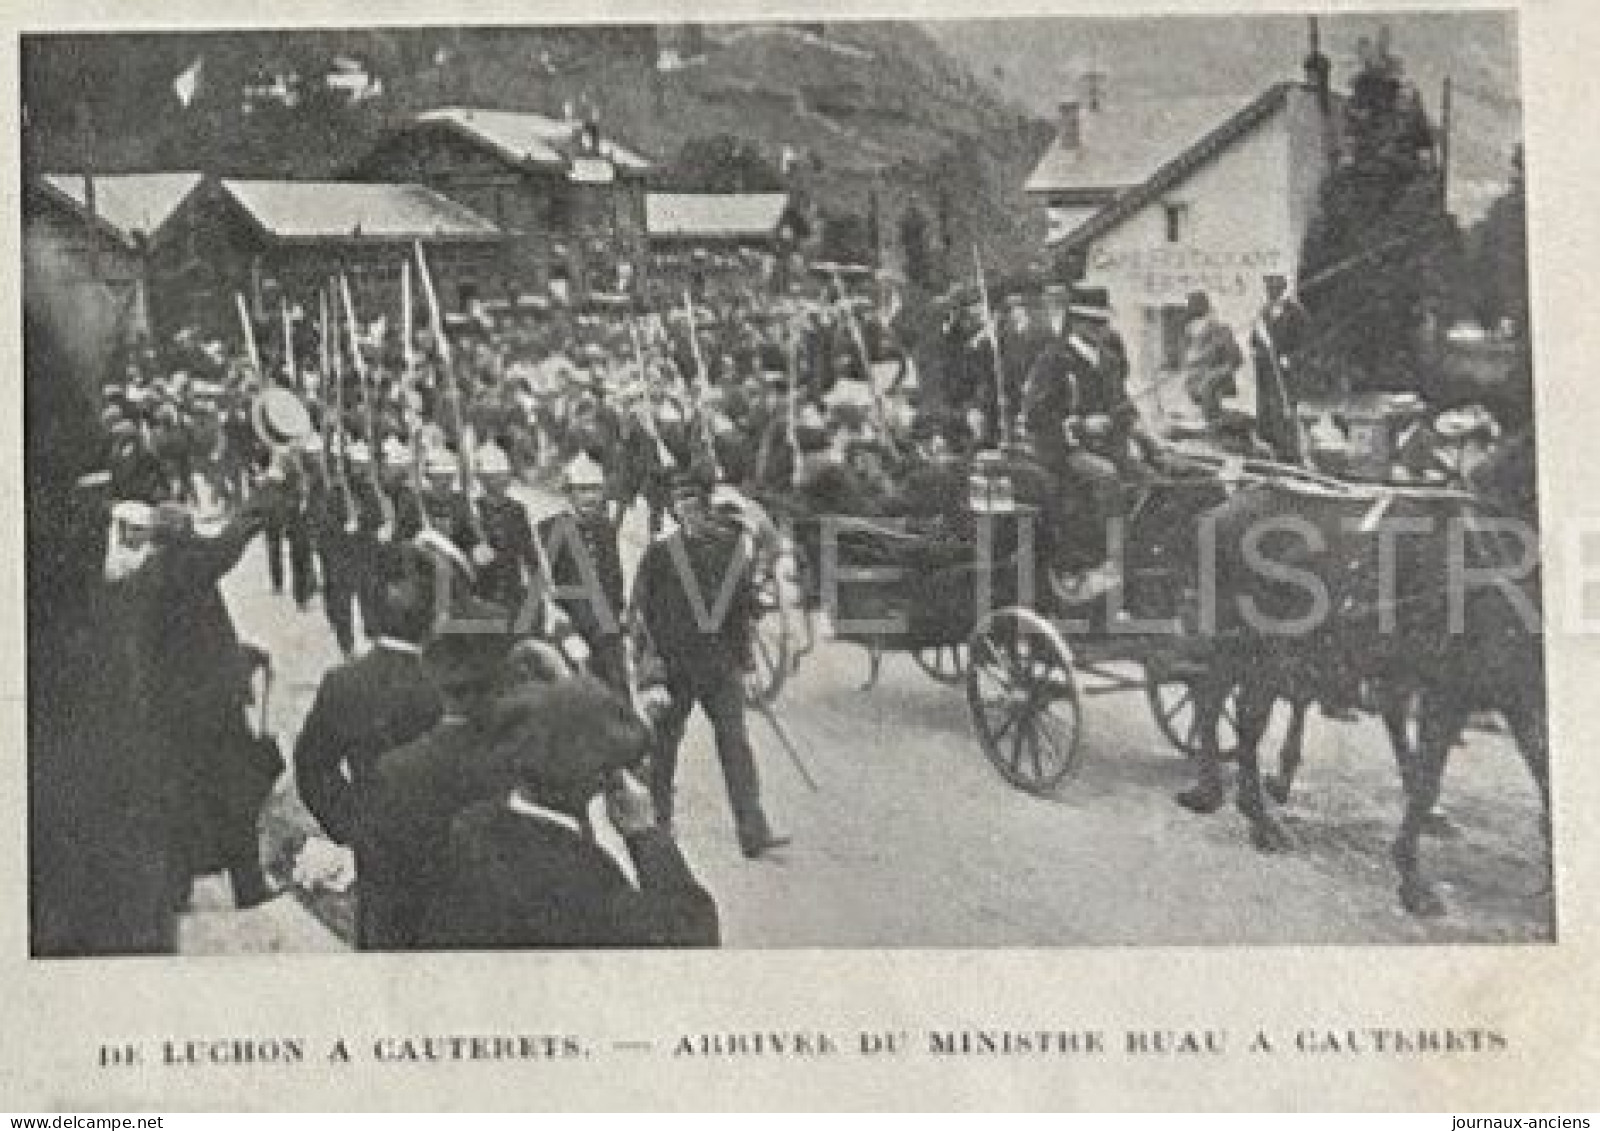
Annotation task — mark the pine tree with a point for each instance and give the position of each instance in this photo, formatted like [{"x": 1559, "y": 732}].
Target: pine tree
[
  {"x": 1500, "y": 254},
  {"x": 1376, "y": 259}
]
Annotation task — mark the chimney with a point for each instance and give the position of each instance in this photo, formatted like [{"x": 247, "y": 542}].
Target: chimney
[
  {"x": 1317, "y": 67},
  {"x": 1070, "y": 128}
]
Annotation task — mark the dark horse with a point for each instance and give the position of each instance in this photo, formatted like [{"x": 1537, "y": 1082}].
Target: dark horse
[{"x": 1425, "y": 597}]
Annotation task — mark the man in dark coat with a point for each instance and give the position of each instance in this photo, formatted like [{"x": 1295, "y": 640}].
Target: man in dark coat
[
  {"x": 509, "y": 561},
  {"x": 526, "y": 871},
  {"x": 136, "y": 473},
  {"x": 412, "y": 793},
  {"x": 196, "y": 681},
  {"x": 332, "y": 521},
  {"x": 368, "y": 707},
  {"x": 445, "y": 502},
  {"x": 1068, "y": 405},
  {"x": 580, "y": 545},
  {"x": 96, "y": 835},
  {"x": 935, "y": 493},
  {"x": 1275, "y": 343},
  {"x": 376, "y": 530},
  {"x": 703, "y": 647},
  {"x": 287, "y": 523}
]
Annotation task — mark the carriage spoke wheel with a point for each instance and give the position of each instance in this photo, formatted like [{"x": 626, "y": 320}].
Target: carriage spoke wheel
[
  {"x": 945, "y": 663},
  {"x": 1024, "y": 699},
  {"x": 771, "y": 641},
  {"x": 1172, "y": 699}
]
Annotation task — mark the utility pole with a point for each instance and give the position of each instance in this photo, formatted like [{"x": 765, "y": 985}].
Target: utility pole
[{"x": 1444, "y": 144}]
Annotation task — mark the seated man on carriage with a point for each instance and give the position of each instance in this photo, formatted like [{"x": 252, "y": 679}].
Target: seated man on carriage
[
  {"x": 933, "y": 493},
  {"x": 1078, "y": 423}
]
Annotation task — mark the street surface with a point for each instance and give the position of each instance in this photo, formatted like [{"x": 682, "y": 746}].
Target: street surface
[{"x": 914, "y": 840}]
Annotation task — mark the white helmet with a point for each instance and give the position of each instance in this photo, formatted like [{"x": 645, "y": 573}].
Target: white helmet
[
  {"x": 442, "y": 461},
  {"x": 396, "y": 452},
  {"x": 583, "y": 472},
  {"x": 491, "y": 459}
]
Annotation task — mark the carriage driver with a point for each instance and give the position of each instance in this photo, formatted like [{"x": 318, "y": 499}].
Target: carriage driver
[{"x": 1075, "y": 414}]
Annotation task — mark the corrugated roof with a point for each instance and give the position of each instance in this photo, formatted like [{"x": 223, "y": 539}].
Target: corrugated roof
[
  {"x": 520, "y": 136},
  {"x": 725, "y": 215},
  {"x": 345, "y": 210},
  {"x": 128, "y": 202},
  {"x": 1124, "y": 143}
]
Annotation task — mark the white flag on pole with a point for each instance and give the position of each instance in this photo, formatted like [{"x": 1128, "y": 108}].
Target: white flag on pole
[{"x": 186, "y": 85}]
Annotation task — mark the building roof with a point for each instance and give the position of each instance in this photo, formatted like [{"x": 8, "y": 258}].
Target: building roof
[
  {"x": 320, "y": 210},
  {"x": 520, "y": 136},
  {"x": 1123, "y": 143},
  {"x": 1179, "y": 164},
  {"x": 714, "y": 215},
  {"x": 128, "y": 203}
]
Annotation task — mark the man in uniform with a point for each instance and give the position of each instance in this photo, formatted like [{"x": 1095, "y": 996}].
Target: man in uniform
[
  {"x": 368, "y": 707},
  {"x": 286, "y": 522},
  {"x": 703, "y": 644},
  {"x": 332, "y": 525},
  {"x": 373, "y": 540},
  {"x": 445, "y": 502},
  {"x": 580, "y": 545},
  {"x": 1067, "y": 412},
  {"x": 510, "y": 560}
]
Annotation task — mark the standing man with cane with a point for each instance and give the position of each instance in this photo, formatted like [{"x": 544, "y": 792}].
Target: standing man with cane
[{"x": 1275, "y": 341}]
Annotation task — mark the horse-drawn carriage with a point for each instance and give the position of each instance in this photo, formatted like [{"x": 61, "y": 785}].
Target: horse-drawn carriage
[
  {"x": 983, "y": 610},
  {"x": 976, "y": 607}
]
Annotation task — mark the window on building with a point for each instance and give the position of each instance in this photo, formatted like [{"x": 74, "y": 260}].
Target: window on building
[
  {"x": 1165, "y": 326},
  {"x": 1179, "y": 221}
]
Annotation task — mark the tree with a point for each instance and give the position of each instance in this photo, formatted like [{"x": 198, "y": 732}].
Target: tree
[
  {"x": 845, "y": 239},
  {"x": 914, "y": 245},
  {"x": 1375, "y": 263},
  {"x": 723, "y": 163},
  {"x": 1499, "y": 251}
]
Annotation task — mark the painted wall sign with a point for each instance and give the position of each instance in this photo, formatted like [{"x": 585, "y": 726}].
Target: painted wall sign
[{"x": 1168, "y": 273}]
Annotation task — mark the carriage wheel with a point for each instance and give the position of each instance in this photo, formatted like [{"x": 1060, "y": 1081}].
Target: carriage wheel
[
  {"x": 770, "y": 641},
  {"x": 1024, "y": 699},
  {"x": 944, "y": 663},
  {"x": 1172, "y": 703}
]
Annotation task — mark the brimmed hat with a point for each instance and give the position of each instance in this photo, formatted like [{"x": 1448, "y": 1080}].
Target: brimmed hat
[
  {"x": 473, "y": 652},
  {"x": 566, "y": 735},
  {"x": 279, "y": 417}
]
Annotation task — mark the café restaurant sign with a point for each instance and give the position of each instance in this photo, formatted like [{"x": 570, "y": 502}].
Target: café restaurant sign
[{"x": 1167, "y": 273}]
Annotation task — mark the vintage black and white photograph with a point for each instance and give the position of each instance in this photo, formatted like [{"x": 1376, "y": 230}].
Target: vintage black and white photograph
[{"x": 966, "y": 483}]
